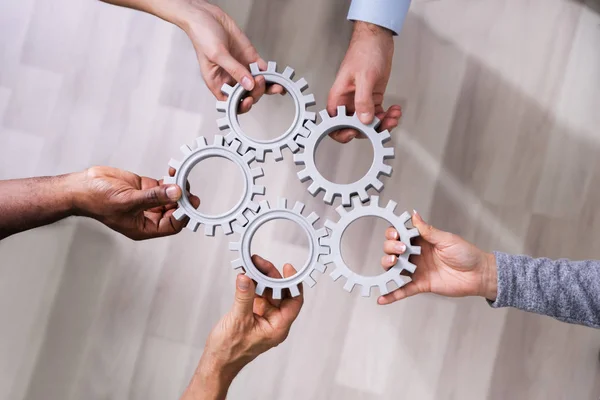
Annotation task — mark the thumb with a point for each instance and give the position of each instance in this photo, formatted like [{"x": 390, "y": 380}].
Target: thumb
[
  {"x": 237, "y": 71},
  {"x": 154, "y": 197},
  {"x": 428, "y": 232},
  {"x": 363, "y": 101},
  {"x": 244, "y": 296}
]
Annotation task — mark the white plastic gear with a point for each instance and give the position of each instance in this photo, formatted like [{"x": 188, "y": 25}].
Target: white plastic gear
[
  {"x": 287, "y": 139},
  {"x": 236, "y": 213},
  {"x": 367, "y": 282},
  {"x": 345, "y": 191},
  {"x": 304, "y": 274}
]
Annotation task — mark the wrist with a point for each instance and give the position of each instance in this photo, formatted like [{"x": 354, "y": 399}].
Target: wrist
[
  {"x": 211, "y": 379},
  {"x": 70, "y": 187},
  {"x": 489, "y": 280},
  {"x": 367, "y": 29}
]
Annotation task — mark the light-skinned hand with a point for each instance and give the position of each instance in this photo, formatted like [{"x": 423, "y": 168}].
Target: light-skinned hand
[
  {"x": 448, "y": 265},
  {"x": 362, "y": 79}
]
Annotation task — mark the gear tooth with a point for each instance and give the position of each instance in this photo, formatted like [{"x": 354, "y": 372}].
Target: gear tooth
[
  {"x": 346, "y": 199},
  {"x": 388, "y": 152},
  {"x": 363, "y": 195},
  {"x": 298, "y": 207},
  {"x": 336, "y": 274},
  {"x": 230, "y": 137},
  {"x": 260, "y": 155},
  {"x": 272, "y": 66},
  {"x": 312, "y": 218},
  {"x": 405, "y": 217},
  {"x": 249, "y": 157},
  {"x": 282, "y": 202},
  {"x": 327, "y": 259},
  {"x": 254, "y": 70},
  {"x": 185, "y": 149},
  {"x": 294, "y": 291},
  {"x": 349, "y": 285},
  {"x": 391, "y": 206},
  {"x": 376, "y": 184},
  {"x": 401, "y": 280},
  {"x": 226, "y": 89},
  {"x": 260, "y": 289},
  {"x": 276, "y": 293},
  {"x": 179, "y": 214},
  {"x": 245, "y": 149},
  {"x": 412, "y": 232},
  {"x": 201, "y": 142},
  {"x": 223, "y": 123},
  {"x": 192, "y": 225},
  {"x": 309, "y": 281},
  {"x": 325, "y": 241},
  {"x": 301, "y": 84},
  {"x": 219, "y": 140},
  {"x": 410, "y": 267},
  {"x": 221, "y": 106},
  {"x": 169, "y": 180},
  {"x": 329, "y": 224},
  {"x": 257, "y": 172},
  {"x": 237, "y": 264},
  {"x": 310, "y": 116},
  {"x": 357, "y": 203},
  {"x": 235, "y": 246},
  {"x": 324, "y": 250},
  {"x": 226, "y": 226},
  {"x": 237, "y": 228},
  {"x": 374, "y": 201},
  {"x": 253, "y": 206},
  {"x": 293, "y": 146},
  {"x": 341, "y": 110},
  {"x": 288, "y": 72},
  {"x": 314, "y": 188},
  {"x": 385, "y": 169},
  {"x": 241, "y": 220},
  {"x": 341, "y": 210},
  {"x": 383, "y": 289},
  {"x": 300, "y": 141},
  {"x": 304, "y": 132},
  {"x": 320, "y": 267},
  {"x": 303, "y": 175},
  {"x": 276, "y": 154},
  {"x": 264, "y": 205},
  {"x": 324, "y": 115},
  {"x": 258, "y": 189},
  {"x": 365, "y": 291},
  {"x": 328, "y": 198},
  {"x": 209, "y": 230},
  {"x": 375, "y": 123},
  {"x": 311, "y": 126},
  {"x": 309, "y": 100},
  {"x": 415, "y": 250},
  {"x": 235, "y": 146},
  {"x": 384, "y": 136},
  {"x": 321, "y": 232}
]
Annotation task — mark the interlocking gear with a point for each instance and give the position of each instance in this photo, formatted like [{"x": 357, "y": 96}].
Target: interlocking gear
[
  {"x": 345, "y": 191},
  {"x": 287, "y": 139},
  {"x": 304, "y": 274},
  {"x": 235, "y": 214},
  {"x": 334, "y": 241}
]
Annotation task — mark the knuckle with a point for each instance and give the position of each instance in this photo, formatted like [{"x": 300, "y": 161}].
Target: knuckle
[{"x": 152, "y": 197}]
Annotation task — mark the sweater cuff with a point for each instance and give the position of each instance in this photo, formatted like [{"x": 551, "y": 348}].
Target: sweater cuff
[{"x": 506, "y": 288}]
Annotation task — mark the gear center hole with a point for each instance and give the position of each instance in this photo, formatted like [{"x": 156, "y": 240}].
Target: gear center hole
[
  {"x": 362, "y": 245},
  {"x": 281, "y": 241},
  {"x": 270, "y": 118},
  {"x": 344, "y": 163},
  {"x": 218, "y": 182}
]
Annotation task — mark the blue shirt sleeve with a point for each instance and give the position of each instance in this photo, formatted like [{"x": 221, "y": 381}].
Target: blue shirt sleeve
[{"x": 389, "y": 14}]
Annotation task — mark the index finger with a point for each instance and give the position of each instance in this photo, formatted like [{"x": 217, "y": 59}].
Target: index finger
[
  {"x": 391, "y": 233},
  {"x": 290, "y": 307}
]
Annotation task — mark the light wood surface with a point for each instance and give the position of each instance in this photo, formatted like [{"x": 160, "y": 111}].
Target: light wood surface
[{"x": 499, "y": 143}]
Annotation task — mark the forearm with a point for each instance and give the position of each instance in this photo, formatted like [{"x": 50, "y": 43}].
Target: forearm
[
  {"x": 563, "y": 289},
  {"x": 28, "y": 203},
  {"x": 211, "y": 381},
  {"x": 389, "y": 14},
  {"x": 173, "y": 11}
]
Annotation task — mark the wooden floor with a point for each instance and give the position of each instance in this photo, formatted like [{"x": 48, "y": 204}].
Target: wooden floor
[{"x": 499, "y": 143}]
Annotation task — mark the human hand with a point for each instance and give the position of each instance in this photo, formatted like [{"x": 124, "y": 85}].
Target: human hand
[
  {"x": 448, "y": 265},
  {"x": 224, "y": 52},
  {"x": 362, "y": 79},
  {"x": 137, "y": 207},
  {"x": 254, "y": 325}
]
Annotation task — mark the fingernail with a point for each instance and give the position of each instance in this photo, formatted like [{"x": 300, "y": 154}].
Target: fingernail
[
  {"x": 242, "y": 283},
  {"x": 247, "y": 83},
  {"x": 391, "y": 259},
  {"x": 399, "y": 247},
  {"x": 173, "y": 193},
  {"x": 415, "y": 212},
  {"x": 395, "y": 235},
  {"x": 365, "y": 117}
]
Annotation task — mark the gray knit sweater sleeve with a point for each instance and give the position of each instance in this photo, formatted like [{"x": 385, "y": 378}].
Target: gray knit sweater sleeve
[{"x": 563, "y": 289}]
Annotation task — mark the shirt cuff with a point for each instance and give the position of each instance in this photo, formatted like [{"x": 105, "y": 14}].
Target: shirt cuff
[{"x": 389, "y": 14}]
